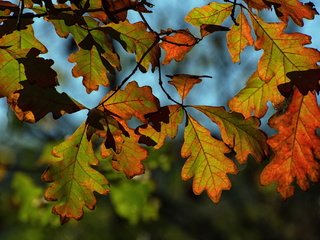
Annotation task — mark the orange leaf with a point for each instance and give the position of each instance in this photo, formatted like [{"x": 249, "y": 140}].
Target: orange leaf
[
  {"x": 129, "y": 159},
  {"x": 184, "y": 83},
  {"x": 257, "y": 4},
  {"x": 294, "y": 9},
  {"x": 177, "y": 45},
  {"x": 132, "y": 101},
  {"x": 295, "y": 147},
  {"x": 161, "y": 124},
  {"x": 283, "y": 53},
  {"x": 206, "y": 161},
  {"x": 117, "y": 10},
  {"x": 239, "y": 37}
]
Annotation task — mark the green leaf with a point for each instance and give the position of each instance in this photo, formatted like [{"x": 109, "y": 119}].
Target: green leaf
[
  {"x": 135, "y": 38},
  {"x": 74, "y": 179},
  {"x": 11, "y": 73},
  {"x": 32, "y": 208},
  {"x": 213, "y": 13},
  {"x": 132, "y": 201},
  {"x": 89, "y": 65}
]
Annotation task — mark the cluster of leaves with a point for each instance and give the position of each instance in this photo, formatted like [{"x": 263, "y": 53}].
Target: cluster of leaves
[{"x": 287, "y": 75}]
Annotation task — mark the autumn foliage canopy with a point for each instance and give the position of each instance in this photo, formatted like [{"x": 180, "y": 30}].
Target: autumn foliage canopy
[{"x": 287, "y": 75}]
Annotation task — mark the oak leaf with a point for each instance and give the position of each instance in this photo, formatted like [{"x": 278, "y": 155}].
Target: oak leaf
[
  {"x": 131, "y": 101},
  {"x": 21, "y": 40},
  {"x": 135, "y": 38},
  {"x": 253, "y": 98},
  {"x": 242, "y": 135},
  {"x": 177, "y": 45},
  {"x": 305, "y": 81},
  {"x": 90, "y": 66},
  {"x": 162, "y": 124},
  {"x": 117, "y": 10},
  {"x": 239, "y": 37},
  {"x": 185, "y": 82},
  {"x": 293, "y": 9},
  {"x": 257, "y": 4},
  {"x": 129, "y": 159},
  {"x": 11, "y": 73},
  {"x": 283, "y": 52},
  {"x": 206, "y": 161},
  {"x": 295, "y": 146},
  {"x": 214, "y": 13},
  {"x": 74, "y": 179},
  {"x": 31, "y": 103},
  {"x": 277, "y": 60}
]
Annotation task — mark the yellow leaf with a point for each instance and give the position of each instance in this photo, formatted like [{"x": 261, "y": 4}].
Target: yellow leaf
[
  {"x": 214, "y": 13},
  {"x": 239, "y": 37},
  {"x": 206, "y": 161},
  {"x": 238, "y": 133},
  {"x": 283, "y": 52}
]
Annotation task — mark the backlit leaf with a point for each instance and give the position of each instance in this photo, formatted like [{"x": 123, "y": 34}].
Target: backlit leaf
[
  {"x": 257, "y": 4},
  {"x": 295, "y": 146},
  {"x": 293, "y": 9},
  {"x": 238, "y": 133},
  {"x": 74, "y": 179},
  {"x": 129, "y": 159},
  {"x": 135, "y": 38},
  {"x": 239, "y": 37},
  {"x": 252, "y": 100},
  {"x": 159, "y": 127},
  {"x": 177, "y": 45},
  {"x": 90, "y": 66},
  {"x": 117, "y": 10},
  {"x": 184, "y": 83},
  {"x": 214, "y": 13},
  {"x": 206, "y": 161},
  {"x": 283, "y": 52},
  {"x": 11, "y": 73},
  {"x": 19, "y": 40},
  {"x": 132, "y": 101}
]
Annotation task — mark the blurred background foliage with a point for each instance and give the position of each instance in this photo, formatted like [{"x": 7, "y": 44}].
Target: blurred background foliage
[{"x": 158, "y": 204}]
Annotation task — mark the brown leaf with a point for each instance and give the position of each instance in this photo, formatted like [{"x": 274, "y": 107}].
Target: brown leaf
[{"x": 31, "y": 103}]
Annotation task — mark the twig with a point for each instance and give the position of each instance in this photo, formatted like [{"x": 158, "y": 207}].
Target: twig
[
  {"x": 131, "y": 74},
  {"x": 163, "y": 89},
  {"x": 21, "y": 3}
]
